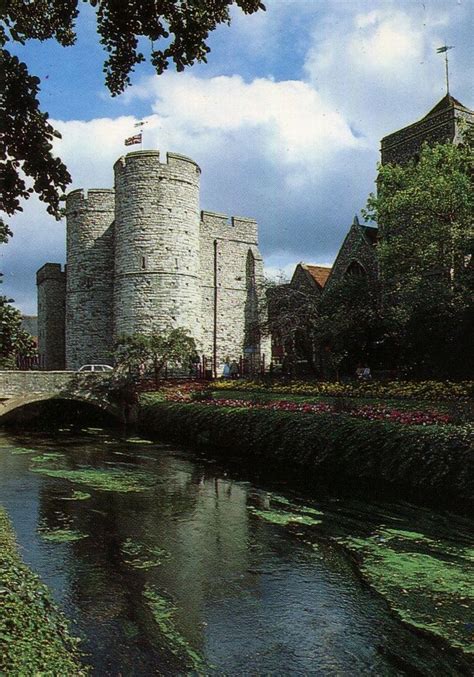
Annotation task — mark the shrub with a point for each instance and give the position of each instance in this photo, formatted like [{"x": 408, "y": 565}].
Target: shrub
[{"x": 418, "y": 461}]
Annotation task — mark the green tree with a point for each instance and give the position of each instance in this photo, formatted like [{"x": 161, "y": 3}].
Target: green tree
[
  {"x": 139, "y": 352},
  {"x": 425, "y": 213},
  {"x": 14, "y": 340},
  {"x": 349, "y": 328},
  {"x": 288, "y": 314},
  {"x": 176, "y": 29}
]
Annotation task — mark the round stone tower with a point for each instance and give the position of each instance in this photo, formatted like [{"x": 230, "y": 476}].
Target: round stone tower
[
  {"x": 156, "y": 244},
  {"x": 89, "y": 275}
]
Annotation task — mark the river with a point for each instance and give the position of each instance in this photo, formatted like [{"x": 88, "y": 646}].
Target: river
[{"x": 170, "y": 563}]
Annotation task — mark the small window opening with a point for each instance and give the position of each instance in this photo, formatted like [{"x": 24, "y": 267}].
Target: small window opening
[{"x": 143, "y": 263}]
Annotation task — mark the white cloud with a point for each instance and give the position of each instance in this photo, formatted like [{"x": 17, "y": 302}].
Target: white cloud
[
  {"x": 379, "y": 68},
  {"x": 294, "y": 124},
  {"x": 297, "y": 154}
]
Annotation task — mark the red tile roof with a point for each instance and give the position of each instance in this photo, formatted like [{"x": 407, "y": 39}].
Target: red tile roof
[{"x": 319, "y": 274}]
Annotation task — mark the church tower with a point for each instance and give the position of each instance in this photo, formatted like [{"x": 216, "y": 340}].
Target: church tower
[{"x": 443, "y": 124}]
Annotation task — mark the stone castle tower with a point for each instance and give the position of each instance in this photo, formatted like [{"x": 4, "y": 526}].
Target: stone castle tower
[{"x": 142, "y": 257}]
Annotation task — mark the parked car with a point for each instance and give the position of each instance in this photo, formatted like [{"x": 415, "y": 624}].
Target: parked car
[{"x": 96, "y": 367}]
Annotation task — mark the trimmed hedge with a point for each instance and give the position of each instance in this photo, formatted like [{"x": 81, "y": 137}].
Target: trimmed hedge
[
  {"x": 417, "y": 462},
  {"x": 34, "y": 635}
]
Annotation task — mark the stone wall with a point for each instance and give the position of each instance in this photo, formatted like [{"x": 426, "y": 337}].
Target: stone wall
[
  {"x": 157, "y": 243},
  {"x": 51, "y": 284},
  {"x": 16, "y": 383},
  {"x": 406, "y": 143},
  {"x": 140, "y": 258},
  {"x": 359, "y": 247},
  {"x": 239, "y": 272},
  {"x": 90, "y": 270}
]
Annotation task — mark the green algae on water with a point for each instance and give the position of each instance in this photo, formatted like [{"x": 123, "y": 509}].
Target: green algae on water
[
  {"x": 429, "y": 587},
  {"x": 52, "y": 457},
  {"x": 76, "y": 496},
  {"x": 19, "y": 451},
  {"x": 113, "y": 479},
  {"x": 137, "y": 440},
  {"x": 61, "y": 535},
  {"x": 141, "y": 556},
  {"x": 283, "y": 518},
  {"x": 164, "y": 613}
]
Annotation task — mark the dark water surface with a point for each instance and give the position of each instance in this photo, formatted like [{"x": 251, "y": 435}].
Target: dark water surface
[{"x": 189, "y": 576}]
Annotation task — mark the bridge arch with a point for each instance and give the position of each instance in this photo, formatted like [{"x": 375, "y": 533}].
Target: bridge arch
[{"x": 23, "y": 408}]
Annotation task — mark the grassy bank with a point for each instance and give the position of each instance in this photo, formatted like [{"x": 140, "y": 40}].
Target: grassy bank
[
  {"x": 423, "y": 463},
  {"x": 34, "y": 634}
]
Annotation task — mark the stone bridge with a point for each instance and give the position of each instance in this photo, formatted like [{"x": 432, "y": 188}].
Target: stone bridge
[{"x": 22, "y": 388}]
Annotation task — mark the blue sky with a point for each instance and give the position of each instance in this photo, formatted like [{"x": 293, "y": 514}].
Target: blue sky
[{"x": 285, "y": 119}]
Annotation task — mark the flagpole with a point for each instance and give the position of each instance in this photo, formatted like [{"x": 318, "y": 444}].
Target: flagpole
[
  {"x": 141, "y": 125},
  {"x": 444, "y": 50},
  {"x": 447, "y": 72}
]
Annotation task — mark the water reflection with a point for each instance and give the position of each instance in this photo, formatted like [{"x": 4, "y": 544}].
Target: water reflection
[{"x": 183, "y": 577}]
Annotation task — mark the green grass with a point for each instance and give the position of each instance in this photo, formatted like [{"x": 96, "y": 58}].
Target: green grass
[{"x": 34, "y": 635}]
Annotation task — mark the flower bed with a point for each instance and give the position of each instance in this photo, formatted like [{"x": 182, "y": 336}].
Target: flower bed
[
  {"x": 429, "y": 390},
  {"x": 368, "y": 412}
]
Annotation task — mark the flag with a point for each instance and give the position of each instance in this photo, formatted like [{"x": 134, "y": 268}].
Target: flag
[
  {"x": 440, "y": 50},
  {"x": 140, "y": 124},
  {"x": 132, "y": 140}
]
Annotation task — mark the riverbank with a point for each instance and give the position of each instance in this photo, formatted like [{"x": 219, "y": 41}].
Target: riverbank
[
  {"x": 422, "y": 463},
  {"x": 34, "y": 634}
]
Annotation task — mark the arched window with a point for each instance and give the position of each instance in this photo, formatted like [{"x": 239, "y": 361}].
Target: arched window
[
  {"x": 355, "y": 269},
  {"x": 250, "y": 271}
]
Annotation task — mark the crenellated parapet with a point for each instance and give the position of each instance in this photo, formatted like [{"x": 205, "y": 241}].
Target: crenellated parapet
[
  {"x": 222, "y": 226},
  {"x": 142, "y": 257}
]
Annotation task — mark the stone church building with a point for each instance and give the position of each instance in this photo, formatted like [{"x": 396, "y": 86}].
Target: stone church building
[
  {"x": 142, "y": 257},
  {"x": 358, "y": 253}
]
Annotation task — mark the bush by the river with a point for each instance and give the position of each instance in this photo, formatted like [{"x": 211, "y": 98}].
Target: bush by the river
[
  {"x": 34, "y": 635},
  {"x": 417, "y": 462}
]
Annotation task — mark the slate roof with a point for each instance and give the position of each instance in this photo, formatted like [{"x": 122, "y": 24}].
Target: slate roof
[{"x": 447, "y": 101}]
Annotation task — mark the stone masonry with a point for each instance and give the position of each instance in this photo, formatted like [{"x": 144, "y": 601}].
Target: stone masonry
[
  {"x": 51, "y": 281},
  {"x": 142, "y": 257}
]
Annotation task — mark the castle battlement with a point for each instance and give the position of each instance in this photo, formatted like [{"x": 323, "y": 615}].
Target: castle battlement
[
  {"x": 222, "y": 226},
  {"x": 140, "y": 258},
  {"x": 173, "y": 161},
  {"x": 96, "y": 199},
  {"x": 50, "y": 271}
]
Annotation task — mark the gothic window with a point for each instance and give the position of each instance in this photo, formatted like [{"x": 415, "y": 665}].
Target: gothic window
[
  {"x": 355, "y": 269},
  {"x": 250, "y": 271}
]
